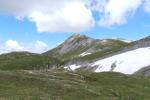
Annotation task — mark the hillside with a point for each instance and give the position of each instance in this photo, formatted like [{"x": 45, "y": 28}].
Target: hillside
[
  {"x": 81, "y": 47},
  {"x": 26, "y": 61},
  {"x": 75, "y": 48},
  {"x": 80, "y": 52},
  {"x": 68, "y": 72},
  {"x": 127, "y": 58},
  {"x": 59, "y": 85}
]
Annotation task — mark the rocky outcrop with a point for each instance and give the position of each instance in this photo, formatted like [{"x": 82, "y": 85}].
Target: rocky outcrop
[{"x": 144, "y": 71}]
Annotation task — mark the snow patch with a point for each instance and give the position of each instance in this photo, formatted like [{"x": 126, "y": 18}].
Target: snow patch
[
  {"x": 84, "y": 54},
  {"x": 127, "y": 63},
  {"x": 127, "y": 41},
  {"x": 124, "y": 40},
  {"x": 72, "y": 67},
  {"x": 104, "y": 40}
]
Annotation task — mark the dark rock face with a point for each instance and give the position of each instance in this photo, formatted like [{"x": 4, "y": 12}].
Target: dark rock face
[
  {"x": 145, "y": 42},
  {"x": 74, "y": 42},
  {"x": 144, "y": 71},
  {"x": 113, "y": 66}
]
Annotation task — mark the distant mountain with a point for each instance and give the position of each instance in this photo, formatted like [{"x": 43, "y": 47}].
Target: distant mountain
[
  {"x": 80, "y": 52},
  {"x": 73, "y": 46},
  {"x": 132, "y": 58},
  {"x": 76, "y": 49},
  {"x": 77, "y": 46}
]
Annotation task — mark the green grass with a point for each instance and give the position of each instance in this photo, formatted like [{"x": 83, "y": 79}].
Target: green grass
[
  {"x": 101, "y": 53},
  {"x": 26, "y": 61},
  {"x": 24, "y": 76},
  {"x": 61, "y": 85}
]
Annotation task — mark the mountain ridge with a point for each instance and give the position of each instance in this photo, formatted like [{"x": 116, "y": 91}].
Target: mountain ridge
[
  {"x": 80, "y": 52},
  {"x": 81, "y": 63},
  {"x": 82, "y": 45}
]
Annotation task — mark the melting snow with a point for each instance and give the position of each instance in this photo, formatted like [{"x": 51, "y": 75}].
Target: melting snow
[
  {"x": 124, "y": 40},
  {"x": 84, "y": 54},
  {"x": 128, "y": 62},
  {"x": 72, "y": 67}
]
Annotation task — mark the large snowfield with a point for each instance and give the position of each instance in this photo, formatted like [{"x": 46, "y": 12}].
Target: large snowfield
[{"x": 127, "y": 63}]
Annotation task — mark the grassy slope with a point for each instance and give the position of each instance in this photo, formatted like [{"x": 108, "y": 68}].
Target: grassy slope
[
  {"x": 110, "y": 47},
  {"x": 30, "y": 61},
  {"x": 69, "y": 55},
  {"x": 113, "y": 46},
  {"x": 56, "y": 85},
  {"x": 26, "y": 61}
]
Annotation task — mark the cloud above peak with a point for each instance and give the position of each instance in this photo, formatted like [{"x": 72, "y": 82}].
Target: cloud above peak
[
  {"x": 73, "y": 15},
  {"x": 51, "y": 15}
]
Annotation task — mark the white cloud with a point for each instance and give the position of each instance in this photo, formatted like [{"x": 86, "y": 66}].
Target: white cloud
[
  {"x": 72, "y": 15},
  {"x": 147, "y": 6},
  {"x": 96, "y": 5},
  {"x": 41, "y": 46},
  {"x": 114, "y": 12},
  {"x": 13, "y": 45},
  {"x": 51, "y": 15}
]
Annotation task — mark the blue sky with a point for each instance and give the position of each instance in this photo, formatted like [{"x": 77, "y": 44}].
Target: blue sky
[{"x": 37, "y": 32}]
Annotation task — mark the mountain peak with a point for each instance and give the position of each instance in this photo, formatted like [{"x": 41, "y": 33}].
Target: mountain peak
[
  {"x": 76, "y": 36},
  {"x": 76, "y": 43},
  {"x": 81, "y": 40}
]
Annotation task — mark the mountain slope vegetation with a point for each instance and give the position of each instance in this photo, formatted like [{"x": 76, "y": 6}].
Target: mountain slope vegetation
[
  {"x": 60, "y": 85},
  {"x": 30, "y": 76},
  {"x": 85, "y": 48},
  {"x": 26, "y": 61}
]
